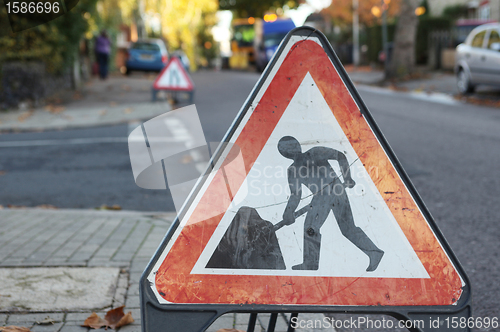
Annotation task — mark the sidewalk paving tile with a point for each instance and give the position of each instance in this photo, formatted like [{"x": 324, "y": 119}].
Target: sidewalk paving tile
[
  {"x": 242, "y": 319},
  {"x": 130, "y": 328},
  {"x": 224, "y": 322},
  {"x": 47, "y": 328},
  {"x": 132, "y": 302},
  {"x": 76, "y": 317},
  {"x": 121, "y": 290},
  {"x": 264, "y": 318},
  {"x": 12, "y": 227},
  {"x": 114, "y": 241},
  {"x": 73, "y": 328},
  {"x": 33, "y": 318},
  {"x": 54, "y": 238},
  {"x": 21, "y": 324},
  {"x": 11, "y": 247},
  {"x": 133, "y": 289}
]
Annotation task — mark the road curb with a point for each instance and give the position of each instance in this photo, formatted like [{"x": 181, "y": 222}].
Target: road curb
[{"x": 80, "y": 117}]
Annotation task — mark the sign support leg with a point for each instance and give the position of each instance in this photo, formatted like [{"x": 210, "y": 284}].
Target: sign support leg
[
  {"x": 153, "y": 94},
  {"x": 290, "y": 324},
  {"x": 251, "y": 322},
  {"x": 272, "y": 322}
]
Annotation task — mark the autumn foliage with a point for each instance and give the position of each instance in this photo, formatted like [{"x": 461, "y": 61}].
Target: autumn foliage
[
  {"x": 341, "y": 11},
  {"x": 113, "y": 319}
]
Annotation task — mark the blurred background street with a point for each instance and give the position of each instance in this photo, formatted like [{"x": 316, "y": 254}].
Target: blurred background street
[{"x": 64, "y": 129}]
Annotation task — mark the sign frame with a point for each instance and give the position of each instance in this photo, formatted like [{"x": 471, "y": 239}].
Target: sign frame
[{"x": 198, "y": 317}]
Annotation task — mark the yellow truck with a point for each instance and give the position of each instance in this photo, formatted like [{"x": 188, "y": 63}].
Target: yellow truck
[{"x": 242, "y": 43}]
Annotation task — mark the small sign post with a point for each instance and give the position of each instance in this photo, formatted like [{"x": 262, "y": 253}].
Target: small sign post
[{"x": 174, "y": 78}]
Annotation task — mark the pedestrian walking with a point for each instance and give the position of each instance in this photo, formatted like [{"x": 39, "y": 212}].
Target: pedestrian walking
[
  {"x": 102, "y": 51},
  {"x": 313, "y": 170}
]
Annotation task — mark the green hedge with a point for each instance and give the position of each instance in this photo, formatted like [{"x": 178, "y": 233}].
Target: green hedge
[
  {"x": 425, "y": 27},
  {"x": 54, "y": 43},
  {"x": 374, "y": 40}
]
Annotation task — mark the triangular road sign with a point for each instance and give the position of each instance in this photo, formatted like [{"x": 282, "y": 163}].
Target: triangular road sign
[
  {"x": 355, "y": 235},
  {"x": 173, "y": 77}
]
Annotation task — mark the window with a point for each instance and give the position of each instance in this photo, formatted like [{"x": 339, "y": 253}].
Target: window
[
  {"x": 145, "y": 47},
  {"x": 494, "y": 38},
  {"x": 477, "y": 41}
]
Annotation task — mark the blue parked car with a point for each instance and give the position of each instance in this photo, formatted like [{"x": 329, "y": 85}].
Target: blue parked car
[{"x": 146, "y": 55}]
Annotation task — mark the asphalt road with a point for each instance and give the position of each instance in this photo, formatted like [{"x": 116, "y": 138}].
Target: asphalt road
[
  {"x": 450, "y": 151},
  {"x": 48, "y": 168}
]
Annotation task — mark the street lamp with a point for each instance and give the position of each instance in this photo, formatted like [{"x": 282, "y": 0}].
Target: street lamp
[
  {"x": 355, "y": 32},
  {"x": 385, "y": 6},
  {"x": 378, "y": 12}
]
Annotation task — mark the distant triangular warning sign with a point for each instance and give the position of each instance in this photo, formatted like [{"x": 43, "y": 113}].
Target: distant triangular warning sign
[
  {"x": 307, "y": 206},
  {"x": 173, "y": 77}
]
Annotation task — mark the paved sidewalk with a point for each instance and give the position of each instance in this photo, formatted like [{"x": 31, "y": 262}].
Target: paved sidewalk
[
  {"x": 41, "y": 119},
  {"x": 125, "y": 99},
  {"x": 117, "y": 100},
  {"x": 365, "y": 75},
  {"x": 46, "y": 240},
  {"x": 79, "y": 238}
]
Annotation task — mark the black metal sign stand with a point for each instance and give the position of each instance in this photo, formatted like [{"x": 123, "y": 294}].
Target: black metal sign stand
[
  {"x": 174, "y": 94},
  {"x": 197, "y": 317}
]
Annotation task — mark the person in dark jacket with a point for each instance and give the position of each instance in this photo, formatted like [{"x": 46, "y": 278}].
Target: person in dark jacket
[{"x": 102, "y": 50}]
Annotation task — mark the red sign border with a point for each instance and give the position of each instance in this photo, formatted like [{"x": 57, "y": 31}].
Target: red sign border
[{"x": 412, "y": 288}]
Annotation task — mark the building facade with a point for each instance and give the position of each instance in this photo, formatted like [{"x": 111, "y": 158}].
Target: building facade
[{"x": 477, "y": 9}]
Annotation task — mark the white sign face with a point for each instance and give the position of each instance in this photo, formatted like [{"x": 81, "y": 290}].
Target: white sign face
[
  {"x": 309, "y": 119},
  {"x": 174, "y": 77}
]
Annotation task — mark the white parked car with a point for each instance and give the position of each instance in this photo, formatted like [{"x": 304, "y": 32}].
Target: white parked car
[{"x": 477, "y": 60}]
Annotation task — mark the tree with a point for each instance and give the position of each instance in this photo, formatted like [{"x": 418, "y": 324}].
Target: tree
[
  {"x": 181, "y": 21},
  {"x": 403, "y": 55},
  {"x": 256, "y": 8},
  {"x": 54, "y": 43},
  {"x": 341, "y": 11}
]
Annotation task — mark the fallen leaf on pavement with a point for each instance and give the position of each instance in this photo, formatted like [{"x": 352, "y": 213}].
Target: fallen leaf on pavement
[
  {"x": 47, "y": 321},
  {"x": 478, "y": 101},
  {"x": 3, "y": 173},
  {"x": 352, "y": 68},
  {"x": 46, "y": 206},
  {"x": 77, "y": 96},
  {"x": 113, "y": 103},
  {"x": 115, "y": 207},
  {"x": 395, "y": 87},
  {"x": 24, "y": 116},
  {"x": 94, "y": 321},
  {"x": 128, "y": 110},
  {"x": 103, "y": 112},
  {"x": 10, "y": 206},
  {"x": 115, "y": 318},
  {"x": 13, "y": 328},
  {"x": 186, "y": 159},
  {"x": 54, "y": 109}
]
